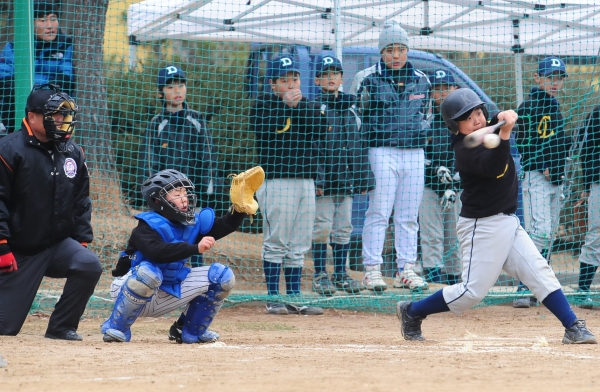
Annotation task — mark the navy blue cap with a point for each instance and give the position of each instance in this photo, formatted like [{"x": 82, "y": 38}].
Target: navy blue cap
[
  {"x": 168, "y": 73},
  {"x": 329, "y": 62},
  {"x": 280, "y": 66},
  {"x": 551, "y": 65},
  {"x": 441, "y": 76}
]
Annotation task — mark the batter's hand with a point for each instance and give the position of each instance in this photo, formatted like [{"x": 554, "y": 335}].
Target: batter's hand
[
  {"x": 448, "y": 200},
  {"x": 444, "y": 175},
  {"x": 205, "y": 244},
  {"x": 510, "y": 116}
]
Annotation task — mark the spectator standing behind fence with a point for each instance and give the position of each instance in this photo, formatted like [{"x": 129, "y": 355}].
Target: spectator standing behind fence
[
  {"x": 179, "y": 139},
  {"x": 285, "y": 126},
  {"x": 343, "y": 170},
  {"x": 544, "y": 146},
  {"x": 589, "y": 259},
  {"x": 45, "y": 214},
  {"x": 53, "y": 61},
  {"x": 393, "y": 98},
  {"x": 440, "y": 205}
]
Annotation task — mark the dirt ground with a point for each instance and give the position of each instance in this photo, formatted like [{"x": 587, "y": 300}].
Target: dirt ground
[{"x": 486, "y": 349}]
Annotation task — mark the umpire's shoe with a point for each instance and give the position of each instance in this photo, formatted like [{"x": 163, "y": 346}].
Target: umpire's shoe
[
  {"x": 64, "y": 335},
  {"x": 579, "y": 334},
  {"x": 208, "y": 336},
  {"x": 410, "y": 326}
]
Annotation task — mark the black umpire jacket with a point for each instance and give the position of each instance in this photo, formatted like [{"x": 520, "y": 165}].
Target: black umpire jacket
[
  {"x": 285, "y": 137},
  {"x": 44, "y": 194},
  {"x": 541, "y": 136},
  {"x": 343, "y": 161}
]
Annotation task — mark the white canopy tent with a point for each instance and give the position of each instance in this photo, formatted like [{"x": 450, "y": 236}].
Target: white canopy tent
[{"x": 567, "y": 28}]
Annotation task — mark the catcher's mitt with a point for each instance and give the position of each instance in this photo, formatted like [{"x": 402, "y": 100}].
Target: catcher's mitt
[{"x": 243, "y": 187}]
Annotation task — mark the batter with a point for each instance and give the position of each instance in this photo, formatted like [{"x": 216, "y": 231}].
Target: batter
[{"x": 490, "y": 235}]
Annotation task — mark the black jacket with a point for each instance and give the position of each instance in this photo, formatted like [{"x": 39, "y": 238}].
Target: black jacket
[
  {"x": 540, "y": 135},
  {"x": 180, "y": 141},
  {"x": 394, "y": 108},
  {"x": 284, "y": 137},
  {"x": 44, "y": 195},
  {"x": 590, "y": 154},
  {"x": 344, "y": 162},
  {"x": 438, "y": 152},
  {"x": 488, "y": 178}
]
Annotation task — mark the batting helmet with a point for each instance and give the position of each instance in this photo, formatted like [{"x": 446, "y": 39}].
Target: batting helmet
[
  {"x": 457, "y": 104},
  {"x": 49, "y": 100},
  {"x": 155, "y": 191}
]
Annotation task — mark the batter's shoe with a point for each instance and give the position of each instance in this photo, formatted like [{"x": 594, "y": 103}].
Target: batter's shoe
[
  {"x": 208, "y": 336},
  {"x": 346, "y": 283},
  {"x": 410, "y": 327},
  {"x": 65, "y": 335},
  {"x": 322, "y": 285},
  {"x": 409, "y": 279},
  {"x": 579, "y": 334},
  {"x": 373, "y": 279}
]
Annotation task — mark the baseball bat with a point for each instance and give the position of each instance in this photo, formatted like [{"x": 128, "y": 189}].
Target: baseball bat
[{"x": 476, "y": 138}]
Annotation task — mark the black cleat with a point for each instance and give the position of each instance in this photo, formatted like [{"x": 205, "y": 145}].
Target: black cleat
[
  {"x": 579, "y": 334},
  {"x": 64, "y": 335},
  {"x": 208, "y": 336},
  {"x": 410, "y": 326}
]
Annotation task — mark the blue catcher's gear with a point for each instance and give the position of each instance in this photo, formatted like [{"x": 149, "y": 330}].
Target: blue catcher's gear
[
  {"x": 135, "y": 294},
  {"x": 203, "y": 309}
]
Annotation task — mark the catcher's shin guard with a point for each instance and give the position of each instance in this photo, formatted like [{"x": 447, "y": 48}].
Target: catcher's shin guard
[
  {"x": 135, "y": 294},
  {"x": 203, "y": 309}
]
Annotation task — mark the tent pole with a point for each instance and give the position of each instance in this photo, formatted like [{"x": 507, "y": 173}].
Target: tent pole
[
  {"x": 519, "y": 77},
  {"x": 337, "y": 25}
]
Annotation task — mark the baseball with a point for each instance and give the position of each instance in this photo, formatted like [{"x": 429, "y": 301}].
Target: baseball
[{"x": 491, "y": 141}]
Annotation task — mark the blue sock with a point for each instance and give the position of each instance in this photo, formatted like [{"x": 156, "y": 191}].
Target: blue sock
[
  {"x": 435, "y": 303},
  {"x": 556, "y": 302},
  {"x": 292, "y": 280},
  {"x": 319, "y": 253},
  {"x": 340, "y": 252},
  {"x": 272, "y": 272}
]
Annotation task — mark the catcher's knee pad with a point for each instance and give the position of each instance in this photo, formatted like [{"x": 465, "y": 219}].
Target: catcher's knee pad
[
  {"x": 222, "y": 281},
  {"x": 145, "y": 279}
]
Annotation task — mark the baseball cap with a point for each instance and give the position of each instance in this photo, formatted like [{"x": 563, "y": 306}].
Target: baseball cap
[
  {"x": 38, "y": 98},
  {"x": 168, "y": 73},
  {"x": 329, "y": 62},
  {"x": 281, "y": 65},
  {"x": 550, "y": 65},
  {"x": 441, "y": 76}
]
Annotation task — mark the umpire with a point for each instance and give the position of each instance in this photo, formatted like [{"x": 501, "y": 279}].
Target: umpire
[{"x": 45, "y": 213}]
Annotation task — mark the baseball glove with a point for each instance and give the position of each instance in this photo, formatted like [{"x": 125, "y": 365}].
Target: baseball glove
[{"x": 243, "y": 187}]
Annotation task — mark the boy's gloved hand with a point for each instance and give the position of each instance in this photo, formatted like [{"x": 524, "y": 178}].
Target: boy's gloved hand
[
  {"x": 448, "y": 199},
  {"x": 8, "y": 263},
  {"x": 444, "y": 175}
]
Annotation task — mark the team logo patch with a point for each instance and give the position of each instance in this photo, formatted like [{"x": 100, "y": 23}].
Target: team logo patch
[
  {"x": 70, "y": 168},
  {"x": 416, "y": 96}
]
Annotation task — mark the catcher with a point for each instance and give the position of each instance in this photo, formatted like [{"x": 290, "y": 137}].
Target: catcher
[{"x": 151, "y": 276}]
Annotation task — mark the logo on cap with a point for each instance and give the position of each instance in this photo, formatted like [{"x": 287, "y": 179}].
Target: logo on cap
[
  {"x": 286, "y": 61},
  {"x": 171, "y": 70},
  {"x": 556, "y": 63},
  {"x": 327, "y": 60},
  {"x": 440, "y": 74}
]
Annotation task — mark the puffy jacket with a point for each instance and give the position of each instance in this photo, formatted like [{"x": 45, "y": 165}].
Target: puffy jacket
[
  {"x": 590, "y": 153},
  {"x": 284, "y": 137},
  {"x": 343, "y": 161},
  {"x": 438, "y": 152},
  {"x": 44, "y": 194},
  {"x": 541, "y": 137},
  {"x": 180, "y": 141},
  {"x": 394, "y": 112},
  {"x": 53, "y": 62}
]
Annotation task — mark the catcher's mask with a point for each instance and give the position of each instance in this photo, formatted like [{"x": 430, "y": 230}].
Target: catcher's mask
[
  {"x": 156, "y": 188},
  {"x": 49, "y": 100}
]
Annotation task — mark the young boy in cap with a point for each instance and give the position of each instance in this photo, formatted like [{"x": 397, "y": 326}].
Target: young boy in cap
[
  {"x": 286, "y": 126},
  {"x": 179, "y": 139},
  {"x": 343, "y": 171},
  {"x": 394, "y": 100},
  {"x": 438, "y": 211},
  {"x": 544, "y": 145}
]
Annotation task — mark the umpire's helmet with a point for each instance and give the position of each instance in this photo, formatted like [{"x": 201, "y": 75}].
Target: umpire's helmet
[
  {"x": 457, "y": 104},
  {"x": 48, "y": 99},
  {"x": 155, "y": 191}
]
